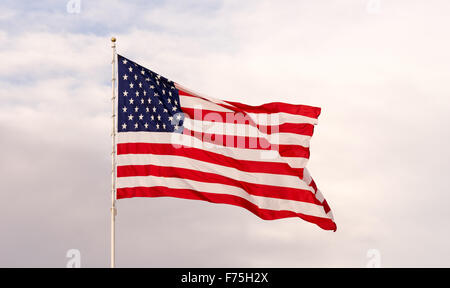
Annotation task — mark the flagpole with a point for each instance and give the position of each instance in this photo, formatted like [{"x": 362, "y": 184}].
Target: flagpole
[{"x": 113, "y": 156}]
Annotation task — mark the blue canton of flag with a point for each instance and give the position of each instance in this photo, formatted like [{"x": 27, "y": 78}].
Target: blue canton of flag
[{"x": 147, "y": 101}]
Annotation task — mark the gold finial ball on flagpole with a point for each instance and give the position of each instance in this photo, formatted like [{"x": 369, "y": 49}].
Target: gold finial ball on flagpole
[{"x": 113, "y": 39}]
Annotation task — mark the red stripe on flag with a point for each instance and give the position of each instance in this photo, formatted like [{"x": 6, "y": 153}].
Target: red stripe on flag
[
  {"x": 159, "y": 191},
  {"x": 249, "y": 143},
  {"x": 207, "y": 177},
  {"x": 228, "y": 117},
  {"x": 293, "y": 151},
  {"x": 269, "y": 108},
  {"x": 207, "y": 156},
  {"x": 276, "y": 107},
  {"x": 231, "y": 140},
  {"x": 326, "y": 207}
]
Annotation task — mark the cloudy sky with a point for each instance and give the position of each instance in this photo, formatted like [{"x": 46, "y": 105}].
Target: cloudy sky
[{"x": 379, "y": 69}]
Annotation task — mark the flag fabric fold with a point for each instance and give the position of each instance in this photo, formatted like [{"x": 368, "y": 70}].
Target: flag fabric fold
[{"x": 175, "y": 143}]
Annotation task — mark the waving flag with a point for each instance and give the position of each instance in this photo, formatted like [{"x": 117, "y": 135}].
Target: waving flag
[{"x": 174, "y": 143}]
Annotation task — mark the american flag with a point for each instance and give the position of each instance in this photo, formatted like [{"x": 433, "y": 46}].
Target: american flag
[{"x": 172, "y": 142}]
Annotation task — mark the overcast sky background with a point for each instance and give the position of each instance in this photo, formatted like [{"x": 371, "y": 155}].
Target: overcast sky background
[{"x": 380, "y": 154}]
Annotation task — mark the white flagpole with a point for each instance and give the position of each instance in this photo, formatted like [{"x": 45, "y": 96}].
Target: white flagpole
[{"x": 113, "y": 156}]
